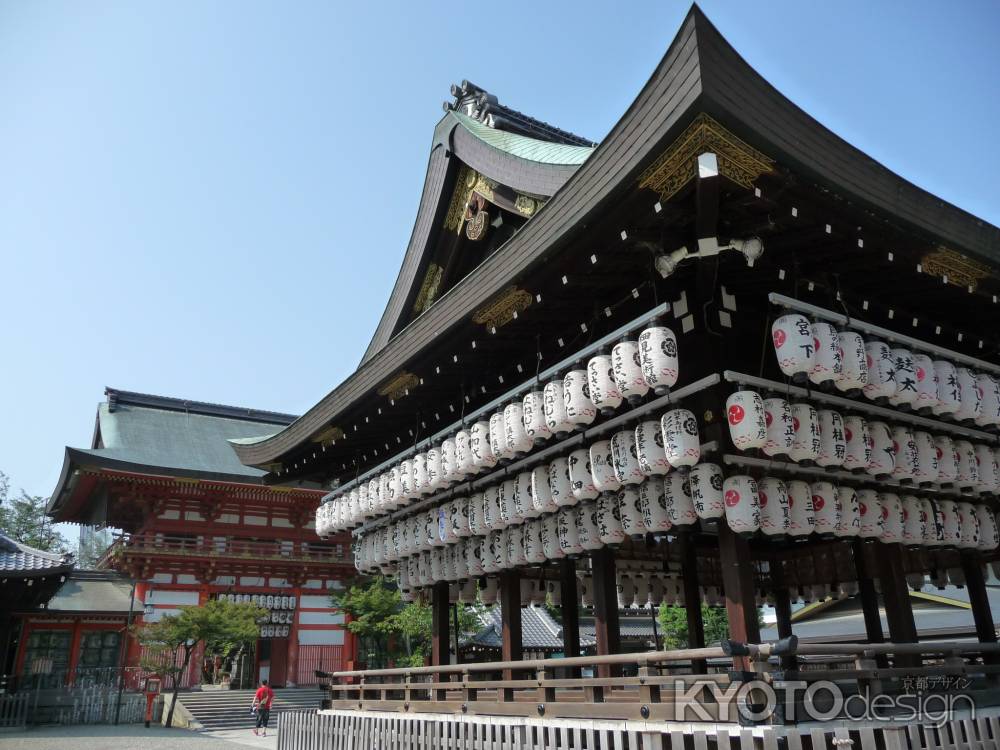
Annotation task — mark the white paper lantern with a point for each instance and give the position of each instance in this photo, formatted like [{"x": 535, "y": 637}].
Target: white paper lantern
[
  {"x": 628, "y": 371},
  {"x": 947, "y": 460},
  {"x": 828, "y": 364},
  {"x": 989, "y": 393},
  {"x": 473, "y": 547},
  {"x": 677, "y": 494},
  {"x": 949, "y": 393},
  {"x": 914, "y": 521},
  {"x": 892, "y": 517},
  {"x": 968, "y": 470},
  {"x": 854, "y": 362},
  {"x": 972, "y": 399},
  {"x": 681, "y": 441},
  {"x": 492, "y": 513},
  {"x": 658, "y": 358},
  {"x": 488, "y": 593},
  {"x": 516, "y": 438},
  {"x": 580, "y": 410},
  {"x": 432, "y": 527},
  {"x": 779, "y": 428},
  {"x": 498, "y": 551},
  {"x": 559, "y": 482},
  {"x": 569, "y": 540},
  {"x": 925, "y": 470},
  {"x": 883, "y": 460},
  {"x": 850, "y": 513},
  {"x": 923, "y": 368},
  {"x": 625, "y": 458},
  {"x": 653, "y": 505},
  {"x": 989, "y": 537},
  {"x": 524, "y": 506},
  {"x": 630, "y": 512},
  {"x": 969, "y": 522},
  {"x": 355, "y": 506},
  {"x": 870, "y": 512},
  {"x": 603, "y": 390},
  {"x": 534, "y": 552},
  {"x": 580, "y": 476},
  {"x": 775, "y": 515},
  {"x": 989, "y": 481},
  {"x": 832, "y": 440},
  {"x": 742, "y": 504},
  {"x": 363, "y": 505},
  {"x": 555, "y": 408},
  {"x": 602, "y": 467},
  {"x": 881, "y": 383},
  {"x": 952, "y": 523},
  {"x": 480, "y": 447},
  {"x": 498, "y": 437},
  {"x": 609, "y": 524},
  {"x": 533, "y": 412},
  {"x": 706, "y": 482},
  {"x": 419, "y": 474},
  {"x": 857, "y": 443},
  {"x": 449, "y": 462},
  {"x": 747, "y": 425},
  {"x": 460, "y": 517},
  {"x": 464, "y": 461},
  {"x": 794, "y": 345},
  {"x": 587, "y": 525},
  {"x": 550, "y": 537},
  {"x": 446, "y": 524},
  {"x": 649, "y": 444},
  {"x": 905, "y": 454},
  {"x": 514, "y": 542},
  {"x": 626, "y": 591},
  {"x": 508, "y": 490},
  {"x": 437, "y": 564},
  {"x": 585, "y": 588},
  {"x": 905, "y": 375},
  {"x": 826, "y": 509},
  {"x": 802, "y": 519},
  {"x": 806, "y": 439},
  {"x": 541, "y": 494}
]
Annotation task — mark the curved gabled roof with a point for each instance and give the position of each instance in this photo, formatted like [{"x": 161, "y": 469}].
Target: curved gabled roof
[{"x": 700, "y": 72}]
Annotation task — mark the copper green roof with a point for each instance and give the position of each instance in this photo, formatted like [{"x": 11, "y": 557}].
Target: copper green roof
[{"x": 523, "y": 147}]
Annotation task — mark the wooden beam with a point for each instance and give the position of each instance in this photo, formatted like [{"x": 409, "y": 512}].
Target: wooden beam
[
  {"x": 607, "y": 631},
  {"x": 867, "y": 593},
  {"x": 692, "y": 601},
  {"x": 510, "y": 617},
  {"x": 439, "y": 624},
  {"x": 978, "y": 597},
  {"x": 737, "y": 579},
  {"x": 896, "y": 596},
  {"x": 570, "y": 610},
  {"x": 782, "y": 610}
]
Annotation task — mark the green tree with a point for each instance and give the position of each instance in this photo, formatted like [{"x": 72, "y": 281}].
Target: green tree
[
  {"x": 23, "y": 519},
  {"x": 674, "y": 629},
  {"x": 171, "y": 641}
]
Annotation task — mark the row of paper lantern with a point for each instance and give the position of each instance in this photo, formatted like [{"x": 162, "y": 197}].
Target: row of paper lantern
[
  {"x": 824, "y": 355},
  {"x": 269, "y": 601},
  {"x": 275, "y": 631},
  {"x": 800, "y": 432},
  {"x": 564, "y": 404},
  {"x": 776, "y": 507},
  {"x": 628, "y": 457}
]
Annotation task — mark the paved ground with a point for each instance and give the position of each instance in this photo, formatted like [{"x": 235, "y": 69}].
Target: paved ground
[{"x": 132, "y": 737}]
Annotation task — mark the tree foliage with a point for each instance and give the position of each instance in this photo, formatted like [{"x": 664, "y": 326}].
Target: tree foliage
[
  {"x": 23, "y": 519},
  {"x": 674, "y": 628},
  {"x": 219, "y": 624}
]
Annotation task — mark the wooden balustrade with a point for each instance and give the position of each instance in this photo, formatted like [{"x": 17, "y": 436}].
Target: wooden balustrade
[{"x": 165, "y": 544}]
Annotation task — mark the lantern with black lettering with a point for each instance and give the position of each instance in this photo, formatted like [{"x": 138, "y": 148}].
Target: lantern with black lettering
[
  {"x": 498, "y": 437},
  {"x": 972, "y": 399},
  {"x": 925, "y": 470},
  {"x": 857, "y": 444},
  {"x": 524, "y": 506},
  {"x": 914, "y": 521},
  {"x": 801, "y": 517},
  {"x": 658, "y": 358},
  {"x": 580, "y": 410},
  {"x": 892, "y": 517},
  {"x": 828, "y": 364},
  {"x": 870, "y": 513},
  {"x": 533, "y": 413},
  {"x": 628, "y": 371},
  {"x": 555, "y": 408},
  {"x": 541, "y": 493},
  {"x": 905, "y": 376},
  {"x": 745, "y": 414},
  {"x": 989, "y": 407},
  {"x": 625, "y": 458},
  {"x": 742, "y": 500},
  {"x": 508, "y": 490},
  {"x": 653, "y": 505},
  {"x": 464, "y": 462},
  {"x": 706, "y": 482},
  {"x": 580, "y": 476},
  {"x": 850, "y": 514},
  {"x": 609, "y": 524},
  {"x": 677, "y": 493},
  {"x": 550, "y": 537},
  {"x": 780, "y": 431},
  {"x": 881, "y": 383},
  {"x": 989, "y": 537},
  {"x": 883, "y": 461},
  {"x": 832, "y": 441},
  {"x": 775, "y": 516},
  {"x": 952, "y": 523},
  {"x": 629, "y": 511},
  {"x": 949, "y": 394},
  {"x": 492, "y": 516},
  {"x": 480, "y": 447},
  {"x": 515, "y": 436},
  {"x": 826, "y": 508},
  {"x": 602, "y": 467},
  {"x": 854, "y": 374},
  {"x": 587, "y": 525},
  {"x": 969, "y": 523},
  {"x": 794, "y": 345},
  {"x": 806, "y": 439},
  {"x": 681, "y": 441},
  {"x": 989, "y": 481},
  {"x": 923, "y": 368},
  {"x": 604, "y": 392},
  {"x": 947, "y": 460},
  {"x": 559, "y": 482},
  {"x": 649, "y": 444},
  {"x": 534, "y": 552},
  {"x": 569, "y": 540},
  {"x": 968, "y": 471}
]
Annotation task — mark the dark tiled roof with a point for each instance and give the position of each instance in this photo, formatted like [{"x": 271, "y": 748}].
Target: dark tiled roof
[
  {"x": 538, "y": 631},
  {"x": 93, "y": 591},
  {"x": 20, "y": 558}
]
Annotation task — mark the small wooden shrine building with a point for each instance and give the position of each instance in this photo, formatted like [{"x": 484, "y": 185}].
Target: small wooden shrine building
[{"x": 721, "y": 357}]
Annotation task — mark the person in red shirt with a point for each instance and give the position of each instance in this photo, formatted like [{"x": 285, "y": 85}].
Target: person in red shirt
[{"x": 262, "y": 705}]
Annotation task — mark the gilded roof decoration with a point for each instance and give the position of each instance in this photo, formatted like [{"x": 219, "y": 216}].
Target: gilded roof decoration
[
  {"x": 678, "y": 165},
  {"x": 429, "y": 289},
  {"x": 330, "y": 433},
  {"x": 399, "y": 384},
  {"x": 471, "y": 182},
  {"x": 503, "y": 308},
  {"x": 956, "y": 268}
]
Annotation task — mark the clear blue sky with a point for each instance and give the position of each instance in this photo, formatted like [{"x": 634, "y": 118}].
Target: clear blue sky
[{"x": 211, "y": 200}]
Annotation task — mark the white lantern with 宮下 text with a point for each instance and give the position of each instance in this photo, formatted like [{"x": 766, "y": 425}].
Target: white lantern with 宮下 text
[
  {"x": 681, "y": 441},
  {"x": 779, "y": 427},
  {"x": 742, "y": 504},
  {"x": 628, "y": 371},
  {"x": 649, "y": 443},
  {"x": 794, "y": 345},
  {"x": 745, "y": 414},
  {"x": 603, "y": 390},
  {"x": 658, "y": 358}
]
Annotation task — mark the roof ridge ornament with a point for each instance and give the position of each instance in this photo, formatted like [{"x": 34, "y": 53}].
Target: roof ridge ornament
[{"x": 678, "y": 165}]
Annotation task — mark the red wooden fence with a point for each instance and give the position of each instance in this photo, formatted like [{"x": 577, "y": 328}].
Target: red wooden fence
[{"x": 311, "y": 658}]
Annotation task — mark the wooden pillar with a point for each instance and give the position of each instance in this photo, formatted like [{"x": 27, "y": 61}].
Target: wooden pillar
[
  {"x": 737, "y": 579},
  {"x": 511, "y": 648},
  {"x": 74, "y": 653},
  {"x": 896, "y": 595},
  {"x": 692, "y": 603},
  {"x": 292, "y": 678},
  {"x": 606, "y": 627},
  {"x": 439, "y": 624},
  {"x": 866, "y": 593},
  {"x": 349, "y": 653},
  {"x": 570, "y": 600},
  {"x": 978, "y": 598}
]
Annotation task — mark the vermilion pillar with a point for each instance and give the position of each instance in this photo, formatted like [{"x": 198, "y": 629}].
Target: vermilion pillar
[
  {"x": 737, "y": 578},
  {"x": 293, "y": 644},
  {"x": 74, "y": 653}
]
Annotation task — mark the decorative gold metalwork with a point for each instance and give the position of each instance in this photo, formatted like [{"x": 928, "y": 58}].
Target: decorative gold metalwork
[
  {"x": 470, "y": 182},
  {"x": 397, "y": 386},
  {"x": 958, "y": 269},
  {"x": 330, "y": 433},
  {"x": 678, "y": 165},
  {"x": 504, "y": 308},
  {"x": 526, "y": 205},
  {"x": 429, "y": 289}
]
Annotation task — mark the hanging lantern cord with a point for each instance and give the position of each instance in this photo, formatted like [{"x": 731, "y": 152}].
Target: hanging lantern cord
[{"x": 538, "y": 355}]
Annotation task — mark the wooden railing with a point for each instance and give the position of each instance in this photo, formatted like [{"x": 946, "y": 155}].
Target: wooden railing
[
  {"x": 166, "y": 545},
  {"x": 660, "y": 685}
]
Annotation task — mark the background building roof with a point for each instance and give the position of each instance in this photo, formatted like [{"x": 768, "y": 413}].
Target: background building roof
[
  {"x": 539, "y": 631},
  {"x": 93, "y": 591},
  {"x": 24, "y": 560}
]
